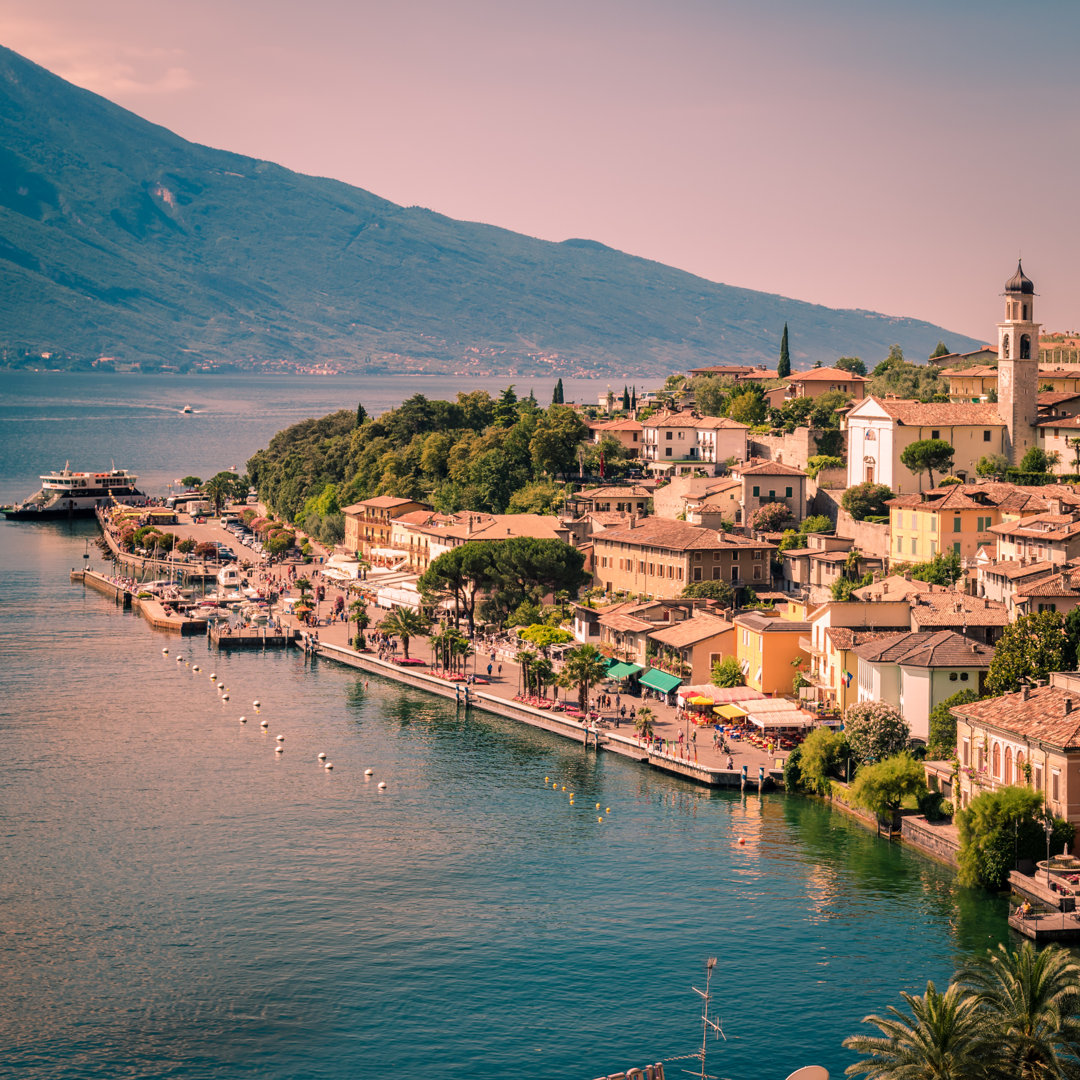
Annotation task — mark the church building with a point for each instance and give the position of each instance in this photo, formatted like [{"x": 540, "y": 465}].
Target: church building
[{"x": 879, "y": 429}]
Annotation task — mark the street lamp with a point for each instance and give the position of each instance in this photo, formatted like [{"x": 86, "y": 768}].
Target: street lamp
[{"x": 1048, "y": 827}]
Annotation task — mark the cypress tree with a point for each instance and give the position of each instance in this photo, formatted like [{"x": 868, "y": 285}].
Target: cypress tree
[
  {"x": 361, "y": 413},
  {"x": 557, "y": 393},
  {"x": 783, "y": 368},
  {"x": 633, "y": 397},
  {"x": 625, "y": 398}
]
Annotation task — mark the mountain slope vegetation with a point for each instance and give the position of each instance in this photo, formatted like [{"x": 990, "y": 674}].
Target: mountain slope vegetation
[{"x": 120, "y": 239}]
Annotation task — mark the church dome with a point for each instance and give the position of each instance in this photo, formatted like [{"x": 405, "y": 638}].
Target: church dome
[{"x": 1020, "y": 282}]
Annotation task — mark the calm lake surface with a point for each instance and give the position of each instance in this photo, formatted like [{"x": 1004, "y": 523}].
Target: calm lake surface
[{"x": 178, "y": 901}]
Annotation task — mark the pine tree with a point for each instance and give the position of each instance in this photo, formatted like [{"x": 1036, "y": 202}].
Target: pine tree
[
  {"x": 625, "y": 398},
  {"x": 361, "y": 413},
  {"x": 783, "y": 368}
]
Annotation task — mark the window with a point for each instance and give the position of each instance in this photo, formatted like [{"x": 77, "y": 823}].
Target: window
[
  {"x": 757, "y": 573},
  {"x": 667, "y": 451},
  {"x": 963, "y": 676},
  {"x": 787, "y": 493},
  {"x": 933, "y": 548},
  {"x": 967, "y": 753},
  {"x": 899, "y": 546},
  {"x": 667, "y": 435},
  {"x": 1038, "y": 778},
  {"x": 757, "y": 554},
  {"x": 1047, "y": 607},
  {"x": 697, "y": 573},
  {"x": 1055, "y": 785},
  {"x": 935, "y": 434},
  {"x": 772, "y": 494},
  {"x": 734, "y": 573},
  {"x": 914, "y": 546},
  {"x": 957, "y": 525},
  {"x": 997, "y": 761},
  {"x": 1019, "y": 766},
  {"x": 956, "y": 547},
  {"x": 986, "y": 436},
  {"x": 952, "y": 676},
  {"x": 757, "y": 491}
]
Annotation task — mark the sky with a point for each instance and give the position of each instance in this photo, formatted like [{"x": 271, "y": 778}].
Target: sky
[{"x": 890, "y": 155}]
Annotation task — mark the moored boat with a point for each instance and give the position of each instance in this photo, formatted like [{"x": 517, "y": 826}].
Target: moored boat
[{"x": 69, "y": 494}]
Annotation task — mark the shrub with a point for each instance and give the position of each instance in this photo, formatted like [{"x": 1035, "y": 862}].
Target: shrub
[
  {"x": 942, "y": 741},
  {"x": 793, "y": 770},
  {"x": 883, "y": 786},
  {"x": 930, "y": 803},
  {"x": 875, "y": 731},
  {"x": 727, "y": 672},
  {"x": 867, "y": 499},
  {"x": 769, "y": 518},
  {"x": 823, "y": 754}
]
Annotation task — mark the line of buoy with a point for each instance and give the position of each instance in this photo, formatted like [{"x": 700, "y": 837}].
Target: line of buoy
[
  {"x": 328, "y": 766},
  {"x": 243, "y": 719},
  {"x": 369, "y": 772},
  {"x": 382, "y": 785}
]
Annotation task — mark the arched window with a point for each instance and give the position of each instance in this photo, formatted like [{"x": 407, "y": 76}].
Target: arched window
[
  {"x": 1025, "y": 347},
  {"x": 1025, "y": 313},
  {"x": 997, "y": 761},
  {"x": 1008, "y": 765},
  {"x": 1005, "y": 346},
  {"x": 1020, "y": 766}
]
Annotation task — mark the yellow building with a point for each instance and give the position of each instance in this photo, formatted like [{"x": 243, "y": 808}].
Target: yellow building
[
  {"x": 974, "y": 384},
  {"x": 767, "y": 646},
  {"x": 955, "y": 518}
]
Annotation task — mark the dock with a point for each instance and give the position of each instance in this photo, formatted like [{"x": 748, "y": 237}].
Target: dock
[
  {"x": 256, "y": 637},
  {"x": 1033, "y": 887},
  {"x": 157, "y": 614},
  {"x": 1047, "y": 926}
]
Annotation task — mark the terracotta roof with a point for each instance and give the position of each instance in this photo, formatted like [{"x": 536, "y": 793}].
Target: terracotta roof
[
  {"x": 380, "y": 502},
  {"x": 706, "y": 423},
  {"x": 829, "y": 556},
  {"x": 1010, "y": 498},
  {"x": 896, "y": 587},
  {"x": 690, "y": 631},
  {"x": 1065, "y": 371},
  {"x": 1039, "y": 715},
  {"x": 618, "y": 425},
  {"x": 614, "y": 492},
  {"x": 1064, "y": 583},
  {"x": 1041, "y": 527},
  {"x": 827, "y": 374},
  {"x": 1070, "y": 423},
  {"x": 983, "y": 370},
  {"x": 843, "y": 637},
  {"x": 1014, "y": 569},
  {"x": 1056, "y": 397},
  {"x": 623, "y": 622},
  {"x": 667, "y": 418},
  {"x": 934, "y": 414},
  {"x": 757, "y": 467},
  {"x": 951, "y": 608},
  {"x": 941, "y": 648},
  {"x": 677, "y": 536},
  {"x": 767, "y": 624}
]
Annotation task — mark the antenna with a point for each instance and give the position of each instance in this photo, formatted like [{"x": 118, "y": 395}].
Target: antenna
[{"x": 707, "y": 1025}]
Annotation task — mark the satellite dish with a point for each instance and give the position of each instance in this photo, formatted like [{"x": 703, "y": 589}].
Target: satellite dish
[{"x": 810, "y": 1072}]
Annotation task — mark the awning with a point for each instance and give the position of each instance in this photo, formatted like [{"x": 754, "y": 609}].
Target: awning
[
  {"x": 699, "y": 700},
  {"x": 730, "y": 712},
  {"x": 622, "y": 670},
  {"x": 659, "y": 680}
]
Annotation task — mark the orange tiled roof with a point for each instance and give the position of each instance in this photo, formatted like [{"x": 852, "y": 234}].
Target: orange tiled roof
[
  {"x": 1039, "y": 714},
  {"x": 940, "y": 414},
  {"x": 827, "y": 374}
]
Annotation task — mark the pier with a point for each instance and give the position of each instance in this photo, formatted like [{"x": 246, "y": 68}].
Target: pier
[
  {"x": 255, "y": 637},
  {"x": 157, "y": 614},
  {"x": 1047, "y": 926}
]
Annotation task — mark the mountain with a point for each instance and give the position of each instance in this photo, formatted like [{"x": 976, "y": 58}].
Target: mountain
[{"x": 120, "y": 239}]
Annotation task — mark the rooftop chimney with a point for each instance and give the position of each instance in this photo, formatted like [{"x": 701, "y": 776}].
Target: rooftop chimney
[{"x": 1024, "y": 692}]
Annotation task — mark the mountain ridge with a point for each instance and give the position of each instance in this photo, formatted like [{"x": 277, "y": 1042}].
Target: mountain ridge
[{"x": 119, "y": 238}]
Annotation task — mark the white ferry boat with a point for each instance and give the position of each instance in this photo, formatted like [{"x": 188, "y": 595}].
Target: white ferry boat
[{"x": 67, "y": 494}]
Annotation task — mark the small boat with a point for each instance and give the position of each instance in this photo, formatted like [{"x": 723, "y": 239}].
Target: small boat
[{"x": 187, "y": 409}]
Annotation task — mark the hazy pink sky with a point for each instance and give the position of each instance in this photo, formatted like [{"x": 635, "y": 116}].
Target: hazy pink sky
[{"x": 894, "y": 155}]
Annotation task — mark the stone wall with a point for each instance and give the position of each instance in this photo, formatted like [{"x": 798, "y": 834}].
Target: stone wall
[
  {"x": 940, "y": 841},
  {"x": 871, "y": 537},
  {"x": 795, "y": 449}
]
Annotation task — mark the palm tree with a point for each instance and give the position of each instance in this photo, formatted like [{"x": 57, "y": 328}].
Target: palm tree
[
  {"x": 1030, "y": 998},
  {"x": 525, "y": 658},
  {"x": 405, "y": 624},
  {"x": 304, "y": 587},
  {"x": 359, "y": 614},
  {"x": 461, "y": 649},
  {"x": 543, "y": 672},
  {"x": 585, "y": 666},
  {"x": 643, "y": 722},
  {"x": 943, "y": 1039}
]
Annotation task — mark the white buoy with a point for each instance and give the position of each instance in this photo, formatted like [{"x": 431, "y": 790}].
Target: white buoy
[
  {"x": 213, "y": 677},
  {"x": 322, "y": 757},
  {"x": 196, "y": 668},
  {"x": 281, "y": 738},
  {"x": 179, "y": 659},
  {"x": 164, "y": 652},
  {"x": 243, "y": 719},
  {"x": 224, "y": 697},
  {"x": 369, "y": 772},
  {"x": 256, "y": 703},
  {"x": 382, "y": 785},
  {"x": 279, "y": 749},
  {"x": 328, "y": 766},
  {"x": 264, "y": 724}
]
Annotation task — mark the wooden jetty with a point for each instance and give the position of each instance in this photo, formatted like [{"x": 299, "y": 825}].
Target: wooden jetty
[
  {"x": 256, "y": 637},
  {"x": 1046, "y": 926}
]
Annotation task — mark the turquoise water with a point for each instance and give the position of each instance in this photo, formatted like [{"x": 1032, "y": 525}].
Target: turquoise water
[{"x": 179, "y": 901}]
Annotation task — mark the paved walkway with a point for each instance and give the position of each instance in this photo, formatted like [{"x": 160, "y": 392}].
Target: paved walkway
[{"x": 668, "y": 722}]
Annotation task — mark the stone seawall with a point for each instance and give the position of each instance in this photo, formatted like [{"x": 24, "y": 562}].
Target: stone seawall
[{"x": 938, "y": 841}]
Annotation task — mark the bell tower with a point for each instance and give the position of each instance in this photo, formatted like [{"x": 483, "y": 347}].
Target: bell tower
[{"x": 1018, "y": 366}]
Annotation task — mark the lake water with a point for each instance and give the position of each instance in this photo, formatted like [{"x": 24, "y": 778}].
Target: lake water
[{"x": 176, "y": 900}]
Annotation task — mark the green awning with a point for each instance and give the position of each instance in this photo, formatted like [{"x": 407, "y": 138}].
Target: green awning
[
  {"x": 623, "y": 671},
  {"x": 659, "y": 680}
]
